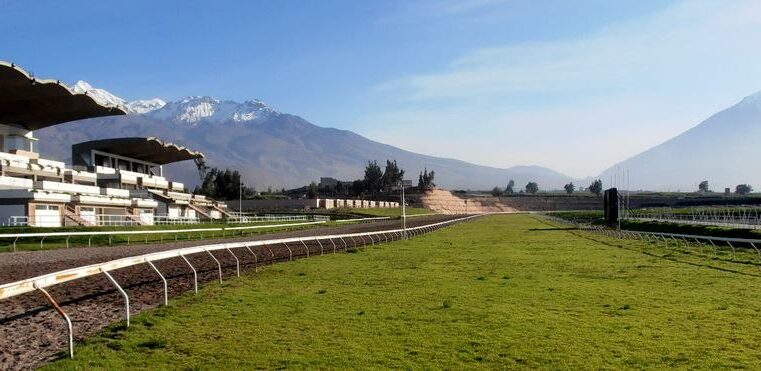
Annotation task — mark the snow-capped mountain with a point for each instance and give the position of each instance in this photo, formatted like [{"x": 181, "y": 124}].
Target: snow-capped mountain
[
  {"x": 191, "y": 110},
  {"x": 144, "y": 105},
  {"x": 106, "y": 98},
  {"x": 99, "y": 95}
]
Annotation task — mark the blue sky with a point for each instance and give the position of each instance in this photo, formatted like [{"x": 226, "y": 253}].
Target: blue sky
[{"x": 571, "y": 85}]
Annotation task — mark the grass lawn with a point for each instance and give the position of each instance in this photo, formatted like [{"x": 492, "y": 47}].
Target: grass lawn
[
  {"x": 392, "y": 212},
  {"x": 504, "y": 291}
]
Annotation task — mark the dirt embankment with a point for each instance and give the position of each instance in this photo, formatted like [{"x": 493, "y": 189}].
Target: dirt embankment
[{"x": 445, "y": 202}]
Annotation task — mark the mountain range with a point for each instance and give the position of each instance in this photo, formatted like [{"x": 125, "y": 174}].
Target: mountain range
[
  {"x": 277, "y": 149},
  {"x": 269, "y": 147},
  {"x": 725, "y": 150}
]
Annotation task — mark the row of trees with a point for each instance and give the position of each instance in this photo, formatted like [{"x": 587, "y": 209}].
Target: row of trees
[
  {"x": 740, "y": 189},
  {"x": 376, "y": 181},
  {"x": 224, "y": 185},
  {"x": 533, "y": 188}
]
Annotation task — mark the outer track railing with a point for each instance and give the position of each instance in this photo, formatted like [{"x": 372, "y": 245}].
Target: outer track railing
[
  {"x": 42, "y": 235},
  {"x": 713, "y": 241},
  {"x": 40, "y": 283}
]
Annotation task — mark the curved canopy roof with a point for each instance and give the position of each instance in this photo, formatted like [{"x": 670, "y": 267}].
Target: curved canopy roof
[
  {"x": 34, "y": 104},
  {"x": 144, "y": 149}
]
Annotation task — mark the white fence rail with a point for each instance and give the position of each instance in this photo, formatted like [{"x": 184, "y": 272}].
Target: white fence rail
[
  {"x": 687, "y": 239},
  {"x": 40, "y": 283},
  {"x": 42, "y": 235}
]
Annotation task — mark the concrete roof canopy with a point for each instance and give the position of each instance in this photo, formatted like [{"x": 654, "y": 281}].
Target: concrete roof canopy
[
  {"x": 149, "y": 149},
  {"x": 35, "y": 104}
]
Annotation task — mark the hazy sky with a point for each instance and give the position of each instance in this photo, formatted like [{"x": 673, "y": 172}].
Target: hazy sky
[{"x": 572, "y": 85}]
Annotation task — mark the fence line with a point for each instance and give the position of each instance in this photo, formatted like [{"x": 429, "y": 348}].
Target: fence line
[
  {"x": 40, "y": 283},
  {"x": 68, "y": 235},
  {"x": 363, "y": 219},
  {"x": 732, "y": 242}
]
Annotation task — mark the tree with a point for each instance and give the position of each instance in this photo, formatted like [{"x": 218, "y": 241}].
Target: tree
[
  {"x": 596, "y": 187},
  {"x": 358, "y": 187},
  {"x": 496, "y": 192},
  {"x": 312, "y": 190},
  {"x": 703, "y": 186},
  {"x": 373, "y": 178},
  {"x": 532, "y": 188},
  {"x": 510, "y": 187},
  {"x": 224, "y": 185},
  {"x": 392, "y": 176},
  {"x": 425, "y": 180},
  {"x": 743, "y": 189},
  {"x": 569, "y": 188}
]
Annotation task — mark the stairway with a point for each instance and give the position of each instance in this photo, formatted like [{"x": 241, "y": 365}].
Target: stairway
[
  {"x": 201, "y": 210},
  {"x": 131, "y": 215},
  {"x": 70, "y": 213}
]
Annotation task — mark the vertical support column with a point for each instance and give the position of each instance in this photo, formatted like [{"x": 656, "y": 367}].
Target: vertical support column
[
  {"x": 64, "y": 315},
  {"x": 166, "y": 288},
  {"x": 121, "y": 291}
]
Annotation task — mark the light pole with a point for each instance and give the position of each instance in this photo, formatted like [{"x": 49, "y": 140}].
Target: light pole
[
  {"x": 404, "y": 212},
  {"x": 240, "y": 201}
]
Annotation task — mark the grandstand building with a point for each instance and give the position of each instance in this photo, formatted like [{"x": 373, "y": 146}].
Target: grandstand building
[{"x": 111, "y": 182}]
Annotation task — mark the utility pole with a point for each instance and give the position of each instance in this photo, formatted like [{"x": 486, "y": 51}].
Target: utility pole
[{"x": 404, "y": 212}]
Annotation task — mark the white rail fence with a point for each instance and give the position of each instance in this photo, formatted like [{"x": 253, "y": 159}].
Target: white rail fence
[
  {"x": 687, "y": 240},
  {"x": 161, "y": 232},
  {"x": 334, "y": 242}
]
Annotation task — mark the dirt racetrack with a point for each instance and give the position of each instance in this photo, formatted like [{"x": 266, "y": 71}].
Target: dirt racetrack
[{"x": 32, "y": 333}]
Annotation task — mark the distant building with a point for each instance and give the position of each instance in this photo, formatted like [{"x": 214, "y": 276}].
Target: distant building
[
  {"x": 328, "y": 182},
  {"x": 407, "y": 184}
]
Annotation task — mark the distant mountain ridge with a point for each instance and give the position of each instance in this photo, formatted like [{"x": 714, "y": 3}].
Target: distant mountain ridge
[
  {"x": 725, "y": 150},
  {"x": 269, "y": 147}
]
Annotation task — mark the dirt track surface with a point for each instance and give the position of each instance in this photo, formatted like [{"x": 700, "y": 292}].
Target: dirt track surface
[{"x": 32, "y": 333}]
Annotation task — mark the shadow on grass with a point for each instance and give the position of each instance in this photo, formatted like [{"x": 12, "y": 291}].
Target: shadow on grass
[{"x": 553, "y": 229}]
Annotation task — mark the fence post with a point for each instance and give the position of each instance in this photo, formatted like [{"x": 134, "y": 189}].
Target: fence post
[
  {"x": 219, "y": 265},
  {"x": 305, "y": 247},
  {"x": 272, "y": 255},
  {"x": 195, "y": 274},
  {"x": 319, "y": 243},
  {"x": 124, "y": 294},
  {"x": 290, "y": 256},
  {"x": 733, "y": 249},
  {"x": 256, "y": 260},
  {"x": 166, "y": 288},
  {"x": 64, "y": 315},
  {"x": 237, "y": 262}
]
